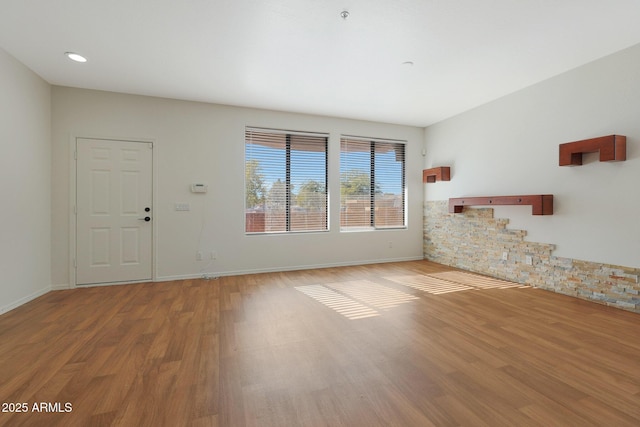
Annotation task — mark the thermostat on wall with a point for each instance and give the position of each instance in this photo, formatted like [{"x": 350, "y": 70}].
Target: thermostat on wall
[{"x": 199, "y": 188}]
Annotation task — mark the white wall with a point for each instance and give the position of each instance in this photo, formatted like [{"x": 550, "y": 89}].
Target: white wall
[
  {"x": 25, "y": 172},
  {"x": 510, "y": 146},
  {"x": 196, "y": 142}
]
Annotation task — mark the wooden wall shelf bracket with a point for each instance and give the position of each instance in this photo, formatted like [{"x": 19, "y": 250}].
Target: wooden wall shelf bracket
[
  {"x": 541, "y": 204},
  {"x": 612, "y": 148},
  {"x": 441, "y": 173}
]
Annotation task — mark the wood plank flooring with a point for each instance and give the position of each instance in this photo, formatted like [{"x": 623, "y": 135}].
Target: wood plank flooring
[{"x": 398, "y": 344}]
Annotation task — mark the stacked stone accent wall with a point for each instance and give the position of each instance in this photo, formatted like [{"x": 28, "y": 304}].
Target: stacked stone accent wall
[{"x": 475, "y": 241}]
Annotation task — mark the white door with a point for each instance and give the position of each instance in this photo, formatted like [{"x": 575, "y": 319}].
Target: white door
[{"x": 114, "y": 211}]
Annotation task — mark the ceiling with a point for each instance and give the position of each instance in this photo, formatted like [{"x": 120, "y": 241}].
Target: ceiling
[{"x": 302, "y": 56}]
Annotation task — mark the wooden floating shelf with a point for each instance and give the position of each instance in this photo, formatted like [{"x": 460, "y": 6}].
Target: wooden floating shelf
[
  {"x": 541, "y": 204},
  {"x": 441, "y": 173},
  {"x": 612, "y": 148}
]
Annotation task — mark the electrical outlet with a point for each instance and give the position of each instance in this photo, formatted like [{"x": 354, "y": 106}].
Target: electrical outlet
[
  {"x": 505, "y": 256},
  {"x": 182, "y": 207},
  {"x": 528, "y": 259},
  {"x": 199, "y": 256},
  {"x": 213, "y": 255},
  {"x": 390, "y": 245}
]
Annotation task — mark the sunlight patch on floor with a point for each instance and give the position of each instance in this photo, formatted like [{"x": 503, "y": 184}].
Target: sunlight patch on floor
[
  {"x": 429, "y": 284},
  {"x": 452, "y": 281},
  {"x": 357, "y": 299},
  {"x": 340, "y": 303},
  {"x": 372, "y": 294},
  {"x": 476, "y": 280}
]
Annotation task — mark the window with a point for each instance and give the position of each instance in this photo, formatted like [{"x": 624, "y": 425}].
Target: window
[
  {"x": 285, "y": 181},
  {"x": 372, "y": 184}
]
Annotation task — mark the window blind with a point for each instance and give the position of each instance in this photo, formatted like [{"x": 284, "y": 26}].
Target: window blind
[
  {"x": 285, "y": 181},
  {"x": 372, "y": 184}
]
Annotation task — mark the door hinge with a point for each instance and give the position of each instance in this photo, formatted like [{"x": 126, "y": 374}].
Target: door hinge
[
  {"x": 75, "y": 263},
  {"x": 75, "y": 155}
]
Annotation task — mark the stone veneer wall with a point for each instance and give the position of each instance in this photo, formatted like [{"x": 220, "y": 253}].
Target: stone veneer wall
[{"x": 475, "y": 241}]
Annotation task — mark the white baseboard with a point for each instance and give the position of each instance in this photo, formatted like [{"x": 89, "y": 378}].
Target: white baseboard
[
  {"x": 212, "y": 274},
  {"x": 24, "y": 300},
  {"x": 181, "y": 277}
]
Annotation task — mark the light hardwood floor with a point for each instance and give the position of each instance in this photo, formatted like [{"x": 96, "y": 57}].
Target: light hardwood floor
[{"x": 398, "y": 344}]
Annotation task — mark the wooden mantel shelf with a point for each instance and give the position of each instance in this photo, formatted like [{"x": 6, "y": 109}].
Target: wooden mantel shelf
[
  {"x": 612, "y": 148},
  {"x": 441, "y": 173},
  {"x": 541, "y": 204}
]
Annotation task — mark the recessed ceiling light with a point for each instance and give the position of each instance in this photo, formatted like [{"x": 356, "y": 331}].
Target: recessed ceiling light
[{"x": 75, "y": 57}]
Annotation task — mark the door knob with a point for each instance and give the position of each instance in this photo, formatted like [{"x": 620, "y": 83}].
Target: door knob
[{"x": 146, "y": 218}]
